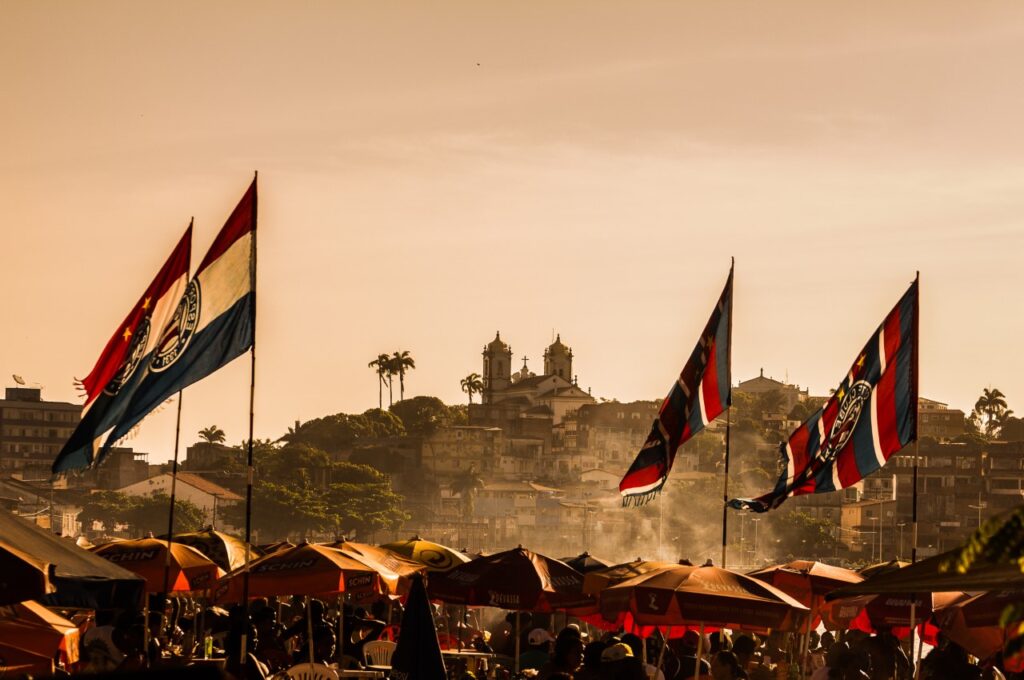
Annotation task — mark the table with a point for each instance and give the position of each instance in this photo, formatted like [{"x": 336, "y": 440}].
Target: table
[
  {"x": 474, "y": 660},
  {"x": 360, "y": 674}
]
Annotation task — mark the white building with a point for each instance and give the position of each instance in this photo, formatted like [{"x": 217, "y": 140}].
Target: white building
[{"x": 209, "y": 497}]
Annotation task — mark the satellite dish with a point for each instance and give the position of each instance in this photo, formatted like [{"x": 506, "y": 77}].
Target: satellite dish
[{"x": 18, "y": 379}]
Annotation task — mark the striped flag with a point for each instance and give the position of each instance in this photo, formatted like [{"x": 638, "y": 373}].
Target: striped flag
[
  {"x": 214, "y": 323},
  {"x": 112, "y": 380},
  {"x": 872, "y": 415},
  {"x": 702, "y": 392}
]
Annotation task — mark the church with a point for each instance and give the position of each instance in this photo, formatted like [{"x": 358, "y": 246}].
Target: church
[{"x": 510, "y": 397}]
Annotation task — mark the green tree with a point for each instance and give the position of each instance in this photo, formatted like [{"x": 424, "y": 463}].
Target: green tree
[
  {"x": 991, "y": 410},
  {"x": 472, "y": 384},
  {"x": 105, "y": 507},
  {"x": 467, "y": 485},
  {"x": 362, "y": 500},
  {"x": 212, "y": 435},
  {"x": 424, "y": 415},
  {"x": 148, "y": 514},
  {"x": 284, "y": 511},
  {"x": 401, "y": 362},
  {"x": 381, "y": 366},
  {"x": 338, "y": 432}
]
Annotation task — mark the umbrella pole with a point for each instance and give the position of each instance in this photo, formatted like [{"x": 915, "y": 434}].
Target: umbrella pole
[
  {"x": 340, "y": 653},
  {"x": 700, "y": 650},
  {"x": 309, "y": 627},
  {"x": 516, "y": 665},
  {"x": 145, "y": 632},
  {"x": 462, "y": 625},
  {"x": 913, "y": 623},
  {"x": 661, "y": 654}
]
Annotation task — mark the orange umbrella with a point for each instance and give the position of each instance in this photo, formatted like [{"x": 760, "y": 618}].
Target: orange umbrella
[
  {"x": 386, "y": 558},
  {"x": 22, "y": 577},
  {"x": 596, "y": 581},
  {"x": 147, "y": 557},
  {"x": 225, "y": 550},
  {"x": 709, "y": 595},
  {"x": 34, "y": 628},
  {"x": 306, "y": 569},
  {"x": 806, "y": 581},
  {"x": 973, "y": 622}
]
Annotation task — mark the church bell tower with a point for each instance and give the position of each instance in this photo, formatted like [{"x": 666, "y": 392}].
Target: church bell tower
[{"x": 497, "y": 367}]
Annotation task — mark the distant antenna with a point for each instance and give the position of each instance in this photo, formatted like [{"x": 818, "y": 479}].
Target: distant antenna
[{"x": 18, "y": 379}]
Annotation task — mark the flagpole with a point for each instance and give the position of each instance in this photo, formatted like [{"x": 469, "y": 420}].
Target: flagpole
[
  {"x": 174, "y": 487},
  {"x": 249, "y": 465},
  {"x": 728, "y": 426},
  {"x": 917, "y": 450}
]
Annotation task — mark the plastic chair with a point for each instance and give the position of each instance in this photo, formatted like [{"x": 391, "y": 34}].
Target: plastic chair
[
  {"x": 312, "y": 671},
  {"x": 377, "y": 654}
]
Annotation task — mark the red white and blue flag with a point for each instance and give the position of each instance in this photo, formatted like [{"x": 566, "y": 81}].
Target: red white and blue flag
[
  {"x": 214, "y": 323},
  {"x": 871, "y": 416},
  {"x": 110, "y": 384},
  {"x": 702, "y": 392}
]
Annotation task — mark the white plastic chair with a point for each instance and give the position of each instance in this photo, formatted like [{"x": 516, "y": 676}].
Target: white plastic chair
[
  {"x": 312, "y": 671},
  {"x": 377, "y": 654}
]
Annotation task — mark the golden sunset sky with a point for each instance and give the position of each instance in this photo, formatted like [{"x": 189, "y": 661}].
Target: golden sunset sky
[{"x": 433, "y": 172}]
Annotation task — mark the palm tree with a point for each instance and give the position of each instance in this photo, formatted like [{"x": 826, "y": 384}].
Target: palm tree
[
  {"x": 401, "y": 362},
  {"x": 381, "y": 364},
  {"x": 472, "y": 384},
  {"x": 466, "y": 485},
  {"x": 992, "y": 406},
  {"x": 212, "y": 434}
]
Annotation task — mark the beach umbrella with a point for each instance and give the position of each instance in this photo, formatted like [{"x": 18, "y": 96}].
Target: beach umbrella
[
  {"x": 18, "y": 662},
  {"x": 807, "y": 581},
  {"x": 190, "y": 570},
  {"x": 882, "y": 568},
  {"x": 267, "y": 548},
  {"x": 32, "y": 627},
  {"x": 708, "y": 595},
  {"x": 418, "y": 654},
  {"x": 973, "y": 621},
  {"x": 435, "y": 556},
  {"x": 388, "y": 559},
  {"x": 599, "y": 579},
  {"x": 306, "y": 569},
  {"x": 226, "y": 551},
  {"x": 516, "y": 579},
  {"x": 586, "y": 563},
  {"x": 22, "y": 577}
]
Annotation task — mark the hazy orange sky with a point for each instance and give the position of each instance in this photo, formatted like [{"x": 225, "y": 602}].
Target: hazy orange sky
[{"x": 433, "y": 172}]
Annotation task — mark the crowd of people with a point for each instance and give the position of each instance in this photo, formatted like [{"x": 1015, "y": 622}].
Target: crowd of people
[{"x": 279, "y": 633}]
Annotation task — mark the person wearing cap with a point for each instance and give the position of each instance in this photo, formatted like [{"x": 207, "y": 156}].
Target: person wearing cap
[
  {"x": 538, "y": 644},
  {"x": 618, "y": 663},
  {"x": 567, "y": 657}
]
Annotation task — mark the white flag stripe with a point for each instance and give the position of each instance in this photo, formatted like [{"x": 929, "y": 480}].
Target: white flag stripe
[
  {"x": 225, "y": 281},
  {"x": 874, "y": 428},
  {"x": 881, "y": 349}
]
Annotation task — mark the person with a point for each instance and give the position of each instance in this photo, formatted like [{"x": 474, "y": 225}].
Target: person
[
  {"x": 591, "y": 669},
  {"x": 948, "y": 660},
  {"x": 618, "y": 663},
  {"x": 686, "y": 651},
  {"x": 253, "y": 668},
  {"x": 743, "y": 647},
  {"x": 725, "y": 666},
  {"x": 538, "y": 642},
  {"x": 566, "y": 658}
]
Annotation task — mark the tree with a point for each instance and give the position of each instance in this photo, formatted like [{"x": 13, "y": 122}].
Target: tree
[
  {"x": 362, "y": 501},
  {"x": 990, "y": 411},
  {"x": 105, "y": 507},
  {"x": 381, "y": 365},
  {"x": 472, "y": 384},
  {"x": 338, "y": 432},
  {"x": 284, "y": 511},
  {"x": 466, "y": 485},
  {"x": 1012, "y": 429},
  {"x": 212, "y": 434},
  {"x": 401, "y": 362},
  {"x": 148, "y": 514},
  {"x": 424, "y": 415}
]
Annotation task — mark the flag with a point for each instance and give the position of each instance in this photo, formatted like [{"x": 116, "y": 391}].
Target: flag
[
  {"x": 214, "y": 323},
  {"x": 702, "y": 392},
  {"x": 872, "y": 415},
  {"x": 108, "y": 386}
]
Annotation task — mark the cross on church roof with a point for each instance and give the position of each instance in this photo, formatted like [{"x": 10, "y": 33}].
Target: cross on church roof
[{"x": 525, "y": 358}]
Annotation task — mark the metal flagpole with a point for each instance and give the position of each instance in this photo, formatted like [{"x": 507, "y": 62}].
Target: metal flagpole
[
  {"x": 174, "y": 487},
  {"x": 917, "y": 450},
  {"x": 728, "y": 427},
  {"x": 249, "y": 465}
]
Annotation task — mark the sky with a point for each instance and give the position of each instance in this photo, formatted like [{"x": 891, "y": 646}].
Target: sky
[{"x": 431, "y": 173}]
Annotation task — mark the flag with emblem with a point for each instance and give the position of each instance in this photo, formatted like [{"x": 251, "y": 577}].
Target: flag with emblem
[
  {"x": 214, "y": 323},
  {"x": 702, "y": 392},
  {"x": 115, "y": 373},
  {"x": 870, "y": 416}
]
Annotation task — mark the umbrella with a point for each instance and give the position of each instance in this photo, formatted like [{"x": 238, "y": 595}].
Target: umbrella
[
  {"x": 882, "y": 568},
  {"x": 929, "y": 575},
  {"x": 806, "y": 581},
  {"x": 82, "y": 579},
  {"x": 418, "y": 654},
  {"x": 708, "y": 595},
  {"x": 267, "y": 548},
  {"x": 973, "y": 622},
  {"x": 34, "y": 628},
  {"x": 189, "y": 569},
  {"x": 15, "y": 661},
  {"x": 388, "y": 559},
  {"x": 586, "y": 563},
  {"x": 516, "y": 579},
  {"x": 306, "y": 569},
  {"x": 599, "y": 579},
  {"x": 435, "y": 556},
  {"x": 22, "y": 577},
  {"x": 225, "y": 550}
]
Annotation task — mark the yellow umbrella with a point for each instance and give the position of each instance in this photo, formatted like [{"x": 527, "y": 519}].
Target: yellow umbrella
[{"x": 435, "y": 556}]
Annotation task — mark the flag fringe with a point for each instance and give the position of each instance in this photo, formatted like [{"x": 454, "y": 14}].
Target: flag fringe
[{"x": 641, "y": 499}]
